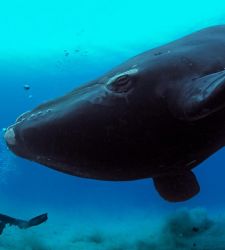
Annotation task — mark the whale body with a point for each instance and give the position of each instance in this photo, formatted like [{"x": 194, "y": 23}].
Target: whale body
[{"x": 158, "y": 115}]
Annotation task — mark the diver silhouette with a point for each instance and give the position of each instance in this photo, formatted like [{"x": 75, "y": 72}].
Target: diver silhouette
[{"x": 22, "y": 224}]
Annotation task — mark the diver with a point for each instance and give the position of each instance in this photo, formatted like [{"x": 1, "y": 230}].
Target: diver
[{"x": 22, "y": 224}]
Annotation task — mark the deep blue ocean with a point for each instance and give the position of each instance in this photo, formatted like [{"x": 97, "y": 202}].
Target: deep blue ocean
[{"x": 55, "y": 46}]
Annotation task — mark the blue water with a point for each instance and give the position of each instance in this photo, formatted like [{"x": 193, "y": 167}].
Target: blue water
[{"x": 55, "y": 46}]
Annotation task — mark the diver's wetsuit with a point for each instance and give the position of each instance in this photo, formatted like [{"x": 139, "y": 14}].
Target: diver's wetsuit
[{"x": 5, "y": 219}]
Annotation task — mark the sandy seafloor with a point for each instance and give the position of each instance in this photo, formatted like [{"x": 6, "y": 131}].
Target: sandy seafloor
[
  {"x": 55, "y": 46},
  {"x": 184, "y": 229}
]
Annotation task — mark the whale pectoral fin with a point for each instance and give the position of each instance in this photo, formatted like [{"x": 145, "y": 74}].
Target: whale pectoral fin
[
  {"x": 179, "y": 187},
  {"x": 199, "y": 97}
]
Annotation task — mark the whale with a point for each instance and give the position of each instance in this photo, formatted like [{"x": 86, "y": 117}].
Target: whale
[{"x": 157, "y": 115}]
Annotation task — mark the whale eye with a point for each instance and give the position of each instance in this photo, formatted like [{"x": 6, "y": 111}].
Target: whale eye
[{"x": 120, "y": 84}]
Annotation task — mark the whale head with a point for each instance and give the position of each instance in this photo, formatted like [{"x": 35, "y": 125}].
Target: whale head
[{"x": 87, "y": 128}]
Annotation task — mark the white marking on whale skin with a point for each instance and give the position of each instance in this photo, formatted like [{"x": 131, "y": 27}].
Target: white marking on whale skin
[
  {"x": 39, "y": 114},
  {"x": 20, "y": 117},
  {"x": 99, "y": 95},
  {"x": 10, "y": 136},
  {"x": 128, "y": 72},
  {"x": 190, "y": 163}
]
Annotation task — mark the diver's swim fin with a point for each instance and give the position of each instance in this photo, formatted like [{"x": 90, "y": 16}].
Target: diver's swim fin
[
  {"x": 5, "y": 219},
  {"x": 179, "y": 187},
  {"x": 2, "y": 226},
  {"x": 33, "y": 222}
]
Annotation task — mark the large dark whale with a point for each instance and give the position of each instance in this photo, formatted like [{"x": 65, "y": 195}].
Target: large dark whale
[{"x": 157, "y": 115}]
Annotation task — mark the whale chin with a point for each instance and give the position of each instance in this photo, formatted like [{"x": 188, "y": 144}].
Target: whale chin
[
  {"x": 15, "y": 143},
  {"x": 10, "y": 137}
]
